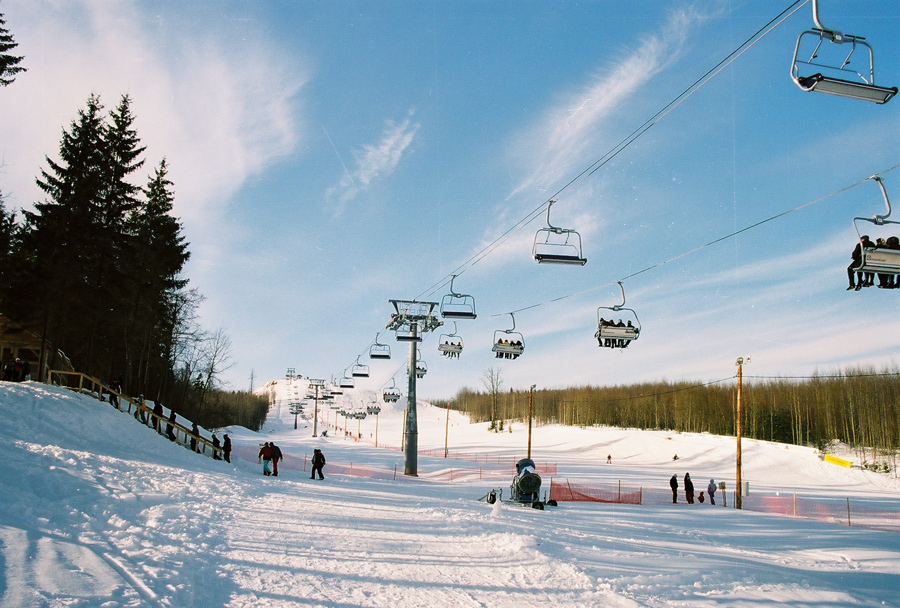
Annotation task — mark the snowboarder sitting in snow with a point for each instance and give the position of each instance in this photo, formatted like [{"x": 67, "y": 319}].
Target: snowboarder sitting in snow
[{"x": 318, "y": 461}]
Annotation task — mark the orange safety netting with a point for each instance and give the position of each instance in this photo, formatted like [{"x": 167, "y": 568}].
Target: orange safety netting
[{"x": 565, "y": 491}]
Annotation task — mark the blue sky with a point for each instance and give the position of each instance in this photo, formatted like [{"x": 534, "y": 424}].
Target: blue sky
[{"x": 330, "y": 156}]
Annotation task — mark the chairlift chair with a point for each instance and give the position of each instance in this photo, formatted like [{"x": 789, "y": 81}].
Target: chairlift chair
[
  {"x": 617, "y": 332},
  {"x": 391, "y": 393},
  {"x": 512, "y": 345},
  {"x": 347, "y": 381},
  {"x": 359, "y": 370},
  {"x": 554, "y": 245},
  {"x": 457, "y": 305},
  {"x": 836, "y": 76},
  {"x": 878, "y": 260},
  {"x": 451, "y": 344},
  {"x": 379, "y": 351}
]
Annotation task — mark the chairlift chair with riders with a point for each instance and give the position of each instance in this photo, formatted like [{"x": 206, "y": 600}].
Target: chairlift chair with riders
[
  {"x": 421, "y": 368},
  {"x": 833, "y": 74},
  {"x": 508, "y": 343},
  {"x": 554, "y": 245},
  {"x": 616, "y": 332},
  {"x": 450, "y": 345},
  {"x": 378, "y": 350},
  {"x": 457, "y": 305},
  {"x": 391, "y": 393},
  {"x": 883, "y": 260},
  {"x": 359, "y": 370}
]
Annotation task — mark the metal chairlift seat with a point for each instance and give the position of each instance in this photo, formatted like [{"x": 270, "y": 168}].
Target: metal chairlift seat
[
  {"x": 359, "y": 370},
  {"x": 834, "y": 76},
  {"x": 373, "y": 409},
  {"x": 347, "y": 382},
  {"x": 554, "y": 245},
  {"x": 457, "y": 305},
  {"x": 509, "y": 341},
  {"x": 379, "y": 351},
  {"x": 879, "y": 260},
  {"x": 451, "y": 347},
  {"x": 391, "y": 395},
  {"x": 408, "y": 337},
  {"x": 450, "y": 344},
  {"x": 609, "y": 333}
]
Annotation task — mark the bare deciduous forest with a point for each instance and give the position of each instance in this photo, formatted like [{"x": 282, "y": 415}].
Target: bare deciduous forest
[{"x": 859, "y": 407}]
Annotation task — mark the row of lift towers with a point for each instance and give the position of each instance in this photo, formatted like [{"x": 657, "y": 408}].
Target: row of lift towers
[{"x": 554, "y": 245}]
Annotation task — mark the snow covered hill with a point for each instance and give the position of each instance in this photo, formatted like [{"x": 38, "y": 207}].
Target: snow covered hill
[{"x": 98, "y": 510}]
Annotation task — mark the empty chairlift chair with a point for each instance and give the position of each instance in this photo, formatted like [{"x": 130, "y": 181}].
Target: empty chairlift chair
[
  {"x": 553, "y": 245},
  {"x": 457, "y": 305},
  {"x": 882, "y": 259},
  {"x": 379, "y": 351},
  {"x": 359, "y": 370},
  {"x": 826, "y": 55},
  {"x": 508, "y": 343},
  {"x": 617, "y": 326}
]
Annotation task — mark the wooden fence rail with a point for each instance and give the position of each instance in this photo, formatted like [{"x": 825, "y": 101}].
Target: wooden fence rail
[{"x": 138, "y": 407}]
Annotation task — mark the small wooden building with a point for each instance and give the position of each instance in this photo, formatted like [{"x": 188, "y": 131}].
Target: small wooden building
[{"x": 16, "y": 342}]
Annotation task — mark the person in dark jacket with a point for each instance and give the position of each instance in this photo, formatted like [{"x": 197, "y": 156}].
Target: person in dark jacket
[
  {"x": 688, "y": 489},
  {"x": 195, "y": 436},
  {"x": 226, "y": 448},
  {"x": 265, "y": 456},
  {"x": 276, "y": 456},
  {"x": 856, "y": 256},
  {"x": 673, "y": 483},
  {"x": 157, "y": 417},
  {"x": 170, "y": 426},
  {"x": 318, "y": 461},
  {"x": 217, "y": 448}
]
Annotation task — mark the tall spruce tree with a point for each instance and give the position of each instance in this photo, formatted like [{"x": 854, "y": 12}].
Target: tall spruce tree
[
  {"x": 160, "y": 252},
  {"x": 58, "y": 251},
  {"x": 9, "y": 64}
]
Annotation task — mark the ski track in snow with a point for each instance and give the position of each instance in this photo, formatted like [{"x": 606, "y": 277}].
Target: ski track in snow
[{"x": 98, "y": 510}]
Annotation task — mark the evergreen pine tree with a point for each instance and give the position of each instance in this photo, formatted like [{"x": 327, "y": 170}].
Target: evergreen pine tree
[{"x": 9, "y": 64}]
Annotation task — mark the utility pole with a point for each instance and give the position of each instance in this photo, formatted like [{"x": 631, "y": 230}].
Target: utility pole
[
  {"x": 738, "y": 503},
  {"x": 447, "y": 431},
  {"x": 530, "y": 411}
]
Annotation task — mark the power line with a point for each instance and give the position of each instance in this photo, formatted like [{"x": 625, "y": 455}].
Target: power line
[{"x": 619, "y": 147}]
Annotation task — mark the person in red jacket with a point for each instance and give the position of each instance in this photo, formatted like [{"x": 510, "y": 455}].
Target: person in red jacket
[{"x": 265, "y": 456}]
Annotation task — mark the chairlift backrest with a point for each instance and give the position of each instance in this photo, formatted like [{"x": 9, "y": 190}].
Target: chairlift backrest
[
  {"x": 457, "y": 305},
  {"x": 359, "y": 370},
  {"x": 617, "y": 322},
  {"x": 827, "y": 64},
  {"x": 379, "y": 351},
  {"x": 881, "y": 259},
  {"x": 554, "y": 245},
  {"x": 508, "y": 341}
]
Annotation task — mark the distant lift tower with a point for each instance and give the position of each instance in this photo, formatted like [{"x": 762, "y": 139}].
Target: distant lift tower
[{"x": 412, "y": 319}]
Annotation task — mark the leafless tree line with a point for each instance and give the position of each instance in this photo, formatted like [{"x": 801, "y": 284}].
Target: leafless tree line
[{"x": 859, "y": 407}]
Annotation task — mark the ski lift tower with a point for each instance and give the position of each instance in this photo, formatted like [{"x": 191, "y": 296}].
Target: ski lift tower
[
  {"x": 410, "y": 320},
  {"x": 319, "y": 386}
]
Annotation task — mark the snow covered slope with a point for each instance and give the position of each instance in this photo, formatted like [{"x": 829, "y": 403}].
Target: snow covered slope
[{"x": 97, "y": 510}]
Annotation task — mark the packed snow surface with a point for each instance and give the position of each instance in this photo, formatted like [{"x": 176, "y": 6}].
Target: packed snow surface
[{"x": 99, "y": 510}]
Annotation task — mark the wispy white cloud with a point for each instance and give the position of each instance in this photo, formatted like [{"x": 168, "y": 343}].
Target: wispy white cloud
[
  {"x": 373, "y": 162},
  {"x": 218, "y": 110},
  {"x": 567, "y": 128}
]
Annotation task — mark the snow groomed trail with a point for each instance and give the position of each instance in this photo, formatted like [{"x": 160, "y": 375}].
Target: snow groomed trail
[{"x": 97, "y": 510}]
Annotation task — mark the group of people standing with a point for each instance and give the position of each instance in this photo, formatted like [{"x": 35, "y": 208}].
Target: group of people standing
[
  {"x": 270, "y": 454},
  {"x": 867, "y": 279},
  {"x": 16, "y": 371},
  {"x": 689, "y": 490}
]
